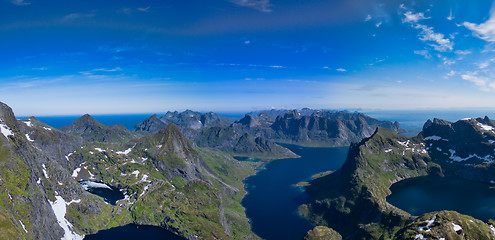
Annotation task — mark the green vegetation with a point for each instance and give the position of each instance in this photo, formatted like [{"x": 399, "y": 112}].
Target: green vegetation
[{"x": 322, "y": 233}]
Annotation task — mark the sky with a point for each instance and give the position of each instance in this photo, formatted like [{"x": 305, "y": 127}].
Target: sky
[{"x": 107, "y": 57}]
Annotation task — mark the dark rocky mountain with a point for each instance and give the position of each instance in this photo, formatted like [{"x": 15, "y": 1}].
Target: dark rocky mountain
[
  {"x": 325, "y": 128},
  {"x": 212, "y": 130},
  {"x": 356, "y": 194},
  {"x": 152, "y": 124},
  {"x": 307, "y": 127},
  {"x": 93, "y": 131},
  {"x": 196, "y": 120}
]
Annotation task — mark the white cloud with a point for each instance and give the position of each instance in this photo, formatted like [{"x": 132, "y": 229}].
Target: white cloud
[
  {"x": 462, "y": 52},
  {"x": 20, "y": 2},
  {"x": 436, "y": 40},
  {"x": 484, "y": 83},
  {"x": 260, "y": 5},
  {"x": 485, "y": 64},
  {"x": 450, "y": 17},
  {"x": 74, "y": 16},
  {"x": 411, "y": 17},
  {"x": 424, "y": 53},
  {"x": 367, "y": 18},
  {"x": 40, "y": 69},
  {"x": 451, "y": 73},
  {"x": 486, "y": 30},
  {"x": 146, "y": 9},
  {"x": 341, "y": 69},
  {"x": 276, "y": 66},
  {"x": 378, "y": 24}
]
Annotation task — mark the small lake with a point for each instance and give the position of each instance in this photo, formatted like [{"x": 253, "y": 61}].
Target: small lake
[
  {"x": 109, "y": 194},
  {"x": 272, "y": 200},
  {"x": 132, "y": 232},
  {"x": 426, "y": 194}
]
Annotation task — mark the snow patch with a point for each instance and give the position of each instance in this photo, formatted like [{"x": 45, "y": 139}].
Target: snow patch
[
  {"x": 466, "y": 119},
  {"x": 39, "y": 181},
  {"x": 5, "y": 130},
  {"x": 485, "y": 127},
  {"x": 28, "y": 138},
  {"x": 47, "y": 128},
  {"x": 75, "y": 173},
  {"x": 124, "y": 152},
  {"x": 60, "y": 208},
  {"x": 419, "y": 236},
  {"x": 492, "y": 228},
  {"x": 435, "y": 138},
  {"x": 99, "y": 150},
  {"x": 90, "y": 184},
  {"x": 23, "y": 227},
  {"x": 405, "y": 144},
  {"x": 388, "y": 150},
  {"x": 135, "y": 172},
  {"x": 28, "y": 123},
  {"x": 456, "y": 227},
  {"x": 144, "y": 190},
  {"x": 44, "y": 171}
]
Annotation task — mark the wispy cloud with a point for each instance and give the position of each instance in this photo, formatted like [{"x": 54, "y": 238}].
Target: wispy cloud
[
  {"x": 144, "y": 9},
  {"x": 462, "y": 52},
  {"x": 40, "y": 69},
  {"x": 437, "y": 40},
  {"x": 260, "y": 5},
  {"x": 424, "y": 53},
  {"x": 450, "y": 17},
  {"x": 74, "y": 16},
  {"x": 367, "y": 18},
  {"x": 410, "y": 17},
  {"x": 486, "y": 64},
  {"x": 486, "y": 30},
  {"x": 100, "y": 71},
  {"x": 484, "y": 83},
  {"x": 341, "y": 70},
  {"x": 20, "y": 2}
]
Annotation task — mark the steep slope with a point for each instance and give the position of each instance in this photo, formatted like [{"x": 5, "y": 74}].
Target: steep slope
[
  {"x": 93, "y": 131},
  {"x": 36, "y": 190},
  {"x": 355, "y": 195},
  {"x": 463, "y": 149},
  {"x": 53, "y": 142},
  {"x": 167, "y": 183}
]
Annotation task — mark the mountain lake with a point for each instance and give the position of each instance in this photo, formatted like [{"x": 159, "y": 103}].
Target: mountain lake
[{"x": 432, "y": 193}]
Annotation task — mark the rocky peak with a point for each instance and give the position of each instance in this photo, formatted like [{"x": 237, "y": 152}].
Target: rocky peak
[
  {"x": 247, "y": 121},
  {"x": 172, "y": 140},
  {"x": 6, "y": 114}
]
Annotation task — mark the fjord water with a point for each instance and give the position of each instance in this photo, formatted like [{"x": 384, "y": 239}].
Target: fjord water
[
  {"x": 426, "y": 194},
  {"x": 272, "y": 200}
]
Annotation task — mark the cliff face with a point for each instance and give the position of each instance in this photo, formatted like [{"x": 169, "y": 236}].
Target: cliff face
[{"x": 31, "y": 184}]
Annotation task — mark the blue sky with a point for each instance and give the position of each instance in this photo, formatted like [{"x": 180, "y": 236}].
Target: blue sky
[{"x": 76, "y": 57}]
